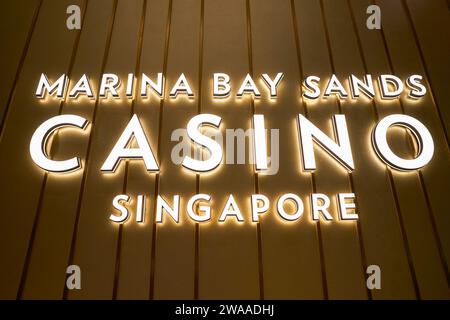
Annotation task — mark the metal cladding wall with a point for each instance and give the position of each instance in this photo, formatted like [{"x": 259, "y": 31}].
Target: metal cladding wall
[{"x": 50, "y": 221}]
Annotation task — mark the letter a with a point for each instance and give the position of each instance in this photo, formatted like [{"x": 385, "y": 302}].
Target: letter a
[
  {"x": 121, "y": 150},
  {"x": 74, "y": 20},
  {"x": 374, "y": 279},
  {"x": 374, "y": 20},
  {"x": 74, "y": 280}
]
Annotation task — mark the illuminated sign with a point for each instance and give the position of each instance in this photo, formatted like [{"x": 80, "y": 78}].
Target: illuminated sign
[
  {"x": 390, "y": 86},
  {"x": 338, "y": 146}
]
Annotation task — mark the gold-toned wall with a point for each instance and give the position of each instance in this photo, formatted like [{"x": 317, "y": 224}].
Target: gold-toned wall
[{"x": 49, "y": 221}]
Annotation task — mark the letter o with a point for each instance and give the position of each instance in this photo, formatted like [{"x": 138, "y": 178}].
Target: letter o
[
  {"x": 283, "y": 213},
  {"x": 420, "y": 132}
]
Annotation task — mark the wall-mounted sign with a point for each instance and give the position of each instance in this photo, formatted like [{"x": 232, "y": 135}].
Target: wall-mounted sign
[{"x": 338, "y": 146}]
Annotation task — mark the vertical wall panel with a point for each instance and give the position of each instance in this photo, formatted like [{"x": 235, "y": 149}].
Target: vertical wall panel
[
  {"x": 292, "y": 269},
  {"x": 228, "y": 252},
  {"x": 427, "y": 264},
  {"x": 175, "y": 249},
  {"x": 433, "y": 46},
  {"x": 23, "y": 178},
  {"x": 435, "y": 176},
  {"x": 342, "y": 244},
  {"x": 373, "y": 188},
  {"x": 96, "y": 238},
  {"x": 50, "y": 249},
  {"x": 136, "y": 254},
  {"x": 22, "y": 19}
]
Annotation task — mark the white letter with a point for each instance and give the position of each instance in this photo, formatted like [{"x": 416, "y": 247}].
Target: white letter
[
  {"x": 357, "y": 86},
  {"x": 417, "y": 89},
  {"x": 231, "y": 209},
  {"x": 38, "y": 143},
  {"x": 205, "y": 209},
  {"x": 341, "y": 150},
  {"x": 82, "y": 86},
  {"x": 383, "y": 82},
  {"x": 256, "y": 209},
  {"x": 181, "y": 86},
  {"x": 272, "y": 84},
  {"x": 248, "y": 86},
  {"x": 335, "y": 87},
  {"x": 120, "y": 150},
  {"x": 109, "y": 82},
  {"x": 174, "y": 212},
  {"x": 320, "y": 208},
  {"x": 140, "y": 208},
  {"x": 44, "y": 85},
  {"x": 311, "y": 85},
  {"x": 130, "y": 86},
  {"x": 298, "y": 203},
  {"x": 221, "y": 86},
  {"x": 420, "y": 132},
  {"x": 214, "y": 148},
  {"x": 157, "y": 87},
  {"x": 259, "y": 142},
  {"x": 124, "y": 211},
  {"x": 345, "y": 206}
]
